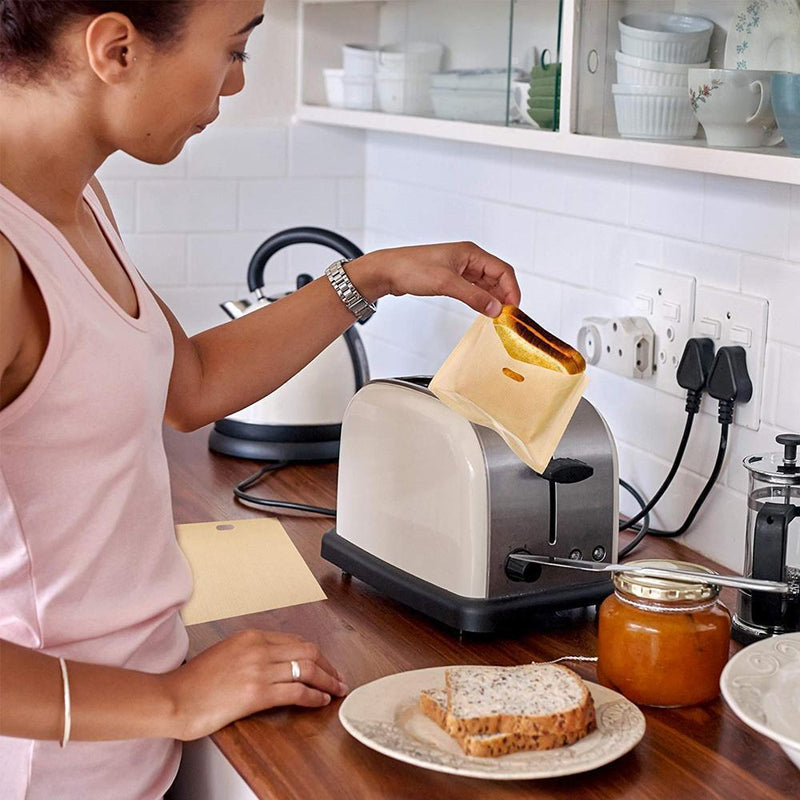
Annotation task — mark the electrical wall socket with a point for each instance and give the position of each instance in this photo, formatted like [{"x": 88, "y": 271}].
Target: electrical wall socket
[
  {"x": 736, "y": 319},
  {"x": 667, "y": 300},
  {"x": 621, "y": 344}
]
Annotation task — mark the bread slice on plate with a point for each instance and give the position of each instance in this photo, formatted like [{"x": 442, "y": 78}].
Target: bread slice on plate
[
  {"x": 533, "y": 699},
  {"x": 433, "y": 703},
  {"x": 529, "y": 342}
]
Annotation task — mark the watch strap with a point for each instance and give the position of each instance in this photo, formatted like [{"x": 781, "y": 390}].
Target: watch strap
[{"x": 361, "y": 308}]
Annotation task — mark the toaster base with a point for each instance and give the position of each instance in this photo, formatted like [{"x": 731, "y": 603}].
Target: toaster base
[{"x": 471, "y": 614}]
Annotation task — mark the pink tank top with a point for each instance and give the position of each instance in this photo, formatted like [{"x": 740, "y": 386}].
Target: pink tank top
[{"x": 89, "y": 564}]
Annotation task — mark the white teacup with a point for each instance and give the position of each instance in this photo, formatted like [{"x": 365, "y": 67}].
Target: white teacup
[{"x": 734, "y": 106}]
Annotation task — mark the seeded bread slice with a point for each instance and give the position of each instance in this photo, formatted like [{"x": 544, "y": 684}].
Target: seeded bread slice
[
  {"x": 433, "y": 703},
  {"x": 533, "y": 699}
]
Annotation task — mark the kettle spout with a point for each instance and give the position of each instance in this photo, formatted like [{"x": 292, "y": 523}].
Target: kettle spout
[{"x": 235, "y": 308}]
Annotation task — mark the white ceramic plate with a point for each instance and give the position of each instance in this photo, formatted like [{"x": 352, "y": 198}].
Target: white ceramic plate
[
  {"x": 385, "y": 716},
  {"x": 764, "y": 34},
  {"x": 762, "y": 686}
]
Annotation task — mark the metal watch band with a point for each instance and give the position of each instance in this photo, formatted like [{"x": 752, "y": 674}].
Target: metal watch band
[{"x": 350, "y": 296}]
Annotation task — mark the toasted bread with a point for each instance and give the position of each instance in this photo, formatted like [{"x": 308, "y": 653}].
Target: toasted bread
[
  {"x": 555, "y": 731},
  {"x": 526, "y": 341}
]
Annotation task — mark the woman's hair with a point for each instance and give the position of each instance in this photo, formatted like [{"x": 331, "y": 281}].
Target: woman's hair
[{"x": 29, "y": 29}]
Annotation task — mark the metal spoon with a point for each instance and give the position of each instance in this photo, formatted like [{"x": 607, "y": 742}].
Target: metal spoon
[{"x": 681, "y": 575}]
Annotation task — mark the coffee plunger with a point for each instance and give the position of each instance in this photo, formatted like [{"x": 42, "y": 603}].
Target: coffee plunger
[{"x": 772, "y": 550}]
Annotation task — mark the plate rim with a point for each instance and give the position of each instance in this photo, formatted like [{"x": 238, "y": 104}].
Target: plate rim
[
  {"x": 468, "y": 773},
  {"x": 734, "y": 705},
  {"x": 729, "y": 56}
]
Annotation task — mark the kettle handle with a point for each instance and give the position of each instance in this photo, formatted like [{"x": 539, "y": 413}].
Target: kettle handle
[
  {"x": 290, "y": 236},
  {"x": 769, "y": 557}
]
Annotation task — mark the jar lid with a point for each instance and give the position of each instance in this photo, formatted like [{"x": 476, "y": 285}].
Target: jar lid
[{"x": 662, "y": 589}]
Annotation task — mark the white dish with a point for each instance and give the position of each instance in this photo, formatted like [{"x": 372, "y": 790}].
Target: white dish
[
  {"x": 635, "y": 70},
  {"x": 470, "y": 105},
  {"x": 404, "y": 95},
  {"x": 411, "y": 57},
  {"x": 660, "y": 36},
  {"x": 764, "y": 34},
  {"x": 761, "y": 684},
  {"x": 358, "y": 60},
  {"x": 334, "y": 87},
  {"x": 384, "y": 715},
  {"x": 654, "y": 112},
  {"x": 359, "y": 92}
]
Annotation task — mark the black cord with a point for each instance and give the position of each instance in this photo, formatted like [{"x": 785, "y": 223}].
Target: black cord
[
  {"x": 667, "y": 481},
  {"x": 240, "y": 492},
  {"x": 721, "y": 452},
  {"x": 645, "y": 514}
]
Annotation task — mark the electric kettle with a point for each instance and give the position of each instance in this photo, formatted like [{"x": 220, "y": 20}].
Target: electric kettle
[
  {"x": 772, "y": 549},
  {"x": 302, "y": 419}
]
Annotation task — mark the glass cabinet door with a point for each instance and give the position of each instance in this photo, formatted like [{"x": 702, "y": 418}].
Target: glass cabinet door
[
  {"x": 492, "y": 62},
  {"x": 692, "y": 72}
]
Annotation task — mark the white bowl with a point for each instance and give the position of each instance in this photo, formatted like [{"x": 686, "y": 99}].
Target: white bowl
[
  {"x": 334, "y": 87},
  {"x": 359, "y": 92},
  {"x": 404, "y": 95},
  {"x": 653, "y": 112},
  {"x": 635, "y": 70},
  {"x": 761, "y": 684},
  {"x": 659, "y": 36},
  {"x": 358, "y": 60},
  {"x": 410, "y": 57}
]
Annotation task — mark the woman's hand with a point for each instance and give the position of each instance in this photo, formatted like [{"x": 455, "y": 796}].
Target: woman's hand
[
  {"x": 251, "y": 671},
  {"x": 461, "y": 270}
]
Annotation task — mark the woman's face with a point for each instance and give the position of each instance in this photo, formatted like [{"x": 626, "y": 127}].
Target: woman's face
[{"x": 173, "y": 93}]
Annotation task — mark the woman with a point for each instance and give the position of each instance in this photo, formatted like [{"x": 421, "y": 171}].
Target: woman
[{"x": 92, "y": 362}]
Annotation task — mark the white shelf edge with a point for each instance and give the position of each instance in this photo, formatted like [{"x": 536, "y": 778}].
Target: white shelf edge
[{"x": 695, "y": 158}]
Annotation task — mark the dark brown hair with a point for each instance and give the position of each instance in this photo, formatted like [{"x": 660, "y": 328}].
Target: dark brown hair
[{"x": 29, "y": 28}]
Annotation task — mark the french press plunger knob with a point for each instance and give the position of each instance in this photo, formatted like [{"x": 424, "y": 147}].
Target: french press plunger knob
[{"x": 790, "y": 442}]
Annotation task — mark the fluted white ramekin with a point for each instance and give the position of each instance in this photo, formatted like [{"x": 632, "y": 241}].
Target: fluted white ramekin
[
  {"x": 654, "y": 112},
  {"x": 635, "y": 70},
  {"x": 658, "y": 36}
]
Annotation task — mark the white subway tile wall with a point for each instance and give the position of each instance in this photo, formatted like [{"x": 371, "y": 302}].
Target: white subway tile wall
[{"x": 573, "y": 229}]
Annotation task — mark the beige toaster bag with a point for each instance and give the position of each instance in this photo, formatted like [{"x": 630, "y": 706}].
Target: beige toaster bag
[{"x": 530, "y": 414}]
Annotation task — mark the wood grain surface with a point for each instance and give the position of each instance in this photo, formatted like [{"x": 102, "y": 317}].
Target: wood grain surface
[{"x": 294, "y": 754}]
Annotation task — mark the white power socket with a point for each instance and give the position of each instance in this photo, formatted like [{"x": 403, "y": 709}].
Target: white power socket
[
  {"x": 735, "y": 319},
  {"x": 667, "y": 300},
  {"x": 623, "y": 345}
]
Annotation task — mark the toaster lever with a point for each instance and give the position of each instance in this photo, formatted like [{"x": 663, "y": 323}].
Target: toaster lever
[{"x": 567, "y": 470}]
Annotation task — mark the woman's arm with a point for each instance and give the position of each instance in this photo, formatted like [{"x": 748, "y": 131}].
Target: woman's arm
[
  {"x": 231, "y": 366},
  {"x": 249, "y": 672}
]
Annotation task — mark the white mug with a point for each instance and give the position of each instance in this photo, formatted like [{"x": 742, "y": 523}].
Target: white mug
[{"x": 734, "y": 106}]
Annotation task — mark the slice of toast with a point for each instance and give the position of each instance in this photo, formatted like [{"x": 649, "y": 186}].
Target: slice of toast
[
  {"x": 533, "y": 699},
  {"x": 433, "y": 703},
  {"x": 526, "y": 341}
]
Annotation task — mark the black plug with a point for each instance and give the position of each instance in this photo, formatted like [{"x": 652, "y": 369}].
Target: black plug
[
  {"x": 729, "y": 381},
  {"x": 694, "y": 369}
]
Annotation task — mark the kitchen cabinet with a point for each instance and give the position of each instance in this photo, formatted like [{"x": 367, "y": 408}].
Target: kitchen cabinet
[{"x": 571, "y": 45}]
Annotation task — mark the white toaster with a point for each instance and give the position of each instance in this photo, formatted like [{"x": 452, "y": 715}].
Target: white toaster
[{"x": 431, "y": 506}]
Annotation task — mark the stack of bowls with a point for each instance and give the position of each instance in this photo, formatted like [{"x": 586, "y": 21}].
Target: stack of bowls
[
  {"x": 544, "y": 95},
  {"x": 403, "y": 76},
  {"x": 358, "y": 76},
  {"x": 656, "y": 52}
]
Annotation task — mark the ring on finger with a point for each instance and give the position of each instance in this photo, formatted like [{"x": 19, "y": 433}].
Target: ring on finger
[{"x": 295, "y": 670}]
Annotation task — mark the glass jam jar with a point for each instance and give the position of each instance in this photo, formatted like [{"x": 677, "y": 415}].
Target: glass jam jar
[{"x": 662, "y": 642}]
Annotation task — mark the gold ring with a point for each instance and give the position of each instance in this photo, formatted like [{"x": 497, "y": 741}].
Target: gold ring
[{"x": 295, "y": 671}]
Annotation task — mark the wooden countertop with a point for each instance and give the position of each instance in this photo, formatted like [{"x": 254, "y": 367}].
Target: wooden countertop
[{"x": 296, "y": 754}]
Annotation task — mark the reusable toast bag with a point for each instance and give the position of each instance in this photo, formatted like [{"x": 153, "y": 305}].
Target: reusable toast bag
[{"x": 528, "y": 404}]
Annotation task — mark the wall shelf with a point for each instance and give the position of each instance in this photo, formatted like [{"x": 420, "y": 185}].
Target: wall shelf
[{"x": 581, "y": 99}]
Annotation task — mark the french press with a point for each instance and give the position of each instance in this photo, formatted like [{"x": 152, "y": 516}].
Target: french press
[{"x": 772, "y": 550}]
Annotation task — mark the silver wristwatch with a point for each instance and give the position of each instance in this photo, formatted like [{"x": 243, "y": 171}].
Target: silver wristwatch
[{"x": 350, "y": 296}]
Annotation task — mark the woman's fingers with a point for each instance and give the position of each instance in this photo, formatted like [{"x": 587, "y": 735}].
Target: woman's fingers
[
  {"x": 491, "y": 273},
  {"x": 314, "y": 668}
]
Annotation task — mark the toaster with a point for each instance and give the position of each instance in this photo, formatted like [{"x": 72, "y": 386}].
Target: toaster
[{"x": 431, "y": 510}]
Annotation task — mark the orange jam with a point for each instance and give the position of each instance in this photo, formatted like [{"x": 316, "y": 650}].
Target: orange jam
[{"x": 661, "y": 642}]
